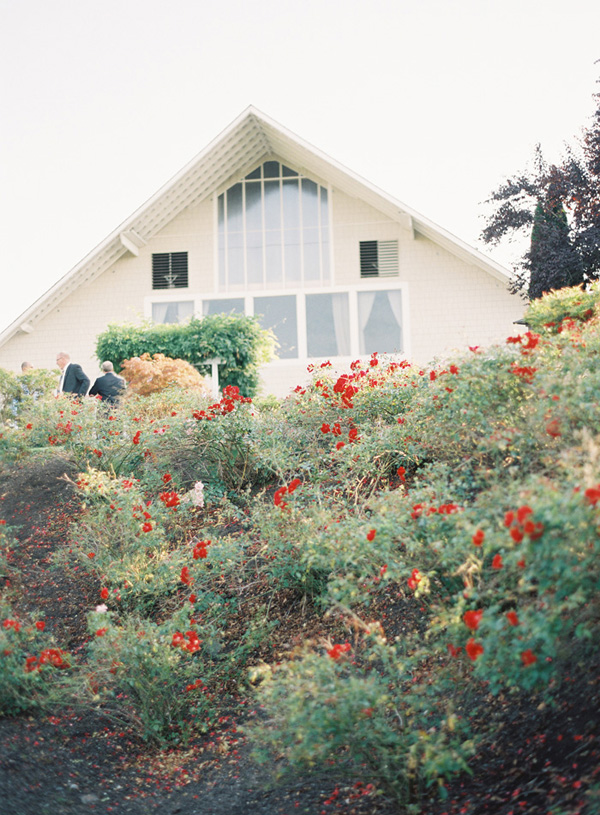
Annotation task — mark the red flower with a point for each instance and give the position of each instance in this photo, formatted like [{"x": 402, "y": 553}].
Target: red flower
[
  {"x": 200, "y": 552},
  {"x": 512, "y": 618},
  {"x": 516, "y": 534},
  {"x": 169, "y": 499},
  {"x": 523, "y": 513},
  {"x": 528, "y": 657},
  {"x": 337, "y": 650},
  {"x": 534, "y": 531},
  {"x": 472, "y": 619},
  {"x": 592, "y": 495},
  {"x": 553, "y": 428},
  {"x": 509, "y": 518},
  {"x": 325, "y": 428},
  {"x": 136, "y": 438},
  {"x": 352, "y": 434},
  {"x": 497, "y": 562},
  {"x": 478, "y": 537},
  {"x": 474, "y": 649},
  {"x": 401, "y": 473},
  {"x": 104, "y": 593},
  {"x": 414, "y": 579},
  {"x": 278, "y": 497},
  {"x": 166, "y": 478},
  {"x": 452, "y": 650},
  {"x": 12, "y": 624},
  {"x": 339, "y": 445},
  {"x": 185, "y": 576},
  {"x": 147, "y": 527},
  {"x": 91, "y": 555},
  {"x": 101, "y": 632},
  {"x": 293, "y": 485},
  {"x": 371, "y": 534},
  {"x": 532, "y": 340},
  {"x": 40, "y": 625}
]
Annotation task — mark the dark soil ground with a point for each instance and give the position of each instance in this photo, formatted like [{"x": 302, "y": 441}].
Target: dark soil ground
[{"x": 542, "y": 761}]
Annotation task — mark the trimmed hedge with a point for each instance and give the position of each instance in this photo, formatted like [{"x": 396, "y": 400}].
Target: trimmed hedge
[{"x": 238, "y": 340}]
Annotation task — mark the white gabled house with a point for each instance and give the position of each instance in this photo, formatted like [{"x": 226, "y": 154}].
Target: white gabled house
[{"x": 260, "y": 222}]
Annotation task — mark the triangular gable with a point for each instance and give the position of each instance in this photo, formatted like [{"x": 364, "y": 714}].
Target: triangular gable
[{"x": 251, "y": 139}]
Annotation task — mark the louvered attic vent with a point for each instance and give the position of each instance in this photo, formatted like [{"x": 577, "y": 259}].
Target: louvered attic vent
[
  {"x": 379, "y": 259},
  {"x": 170, "y": 270}
]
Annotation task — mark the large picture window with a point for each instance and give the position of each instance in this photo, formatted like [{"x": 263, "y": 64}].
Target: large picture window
[
  {"x": 172, "y": 312},
  {"x": 273, "y": 230},
  {"x": 229, "y": 305},
  {"x": 279, "y": 314},
  {"x": 327, "y": 325}
]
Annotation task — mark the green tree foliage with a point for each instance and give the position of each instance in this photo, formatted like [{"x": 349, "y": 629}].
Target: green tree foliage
[
  {"x": 239, "y": 341},
  {"x": 559, "y": 205}
]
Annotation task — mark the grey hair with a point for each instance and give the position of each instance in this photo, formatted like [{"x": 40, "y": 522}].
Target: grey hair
[{"x": 107, "y": 366}]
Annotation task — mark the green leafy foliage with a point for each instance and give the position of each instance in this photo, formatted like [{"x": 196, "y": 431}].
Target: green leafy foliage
[{"x": 549, "y": 313}]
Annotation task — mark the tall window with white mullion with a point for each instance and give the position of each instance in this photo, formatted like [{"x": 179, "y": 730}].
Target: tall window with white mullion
[{"x": 273, "y": 231}]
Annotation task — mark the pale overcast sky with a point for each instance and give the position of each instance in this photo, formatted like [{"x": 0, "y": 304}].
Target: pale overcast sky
[{"x": 434, "y": 101}]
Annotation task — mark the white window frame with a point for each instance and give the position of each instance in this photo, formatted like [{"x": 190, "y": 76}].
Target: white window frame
[{"x": 290, "y": 287}]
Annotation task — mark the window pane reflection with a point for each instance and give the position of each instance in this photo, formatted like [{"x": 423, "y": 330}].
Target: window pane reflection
[
  {"x": 279, "y": 314},
  {"x": 327, "y": 325},
  {"x": 380, "y": 322}
]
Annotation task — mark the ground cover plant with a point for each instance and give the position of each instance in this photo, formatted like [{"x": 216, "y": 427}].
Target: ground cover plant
[{"x": 381, "y": 594}]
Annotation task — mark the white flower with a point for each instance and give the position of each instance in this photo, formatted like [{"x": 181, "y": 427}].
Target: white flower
[
  {"x": 101, "y": 609},
  {"x": 198, "y": 494}
]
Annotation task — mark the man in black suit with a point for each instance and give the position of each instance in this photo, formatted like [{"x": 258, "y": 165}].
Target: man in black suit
[
  {"x": 73, "y": 381},
  {"x": 109, "y": 387}
]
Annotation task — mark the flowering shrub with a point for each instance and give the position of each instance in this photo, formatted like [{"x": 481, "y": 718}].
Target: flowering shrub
[
  {"x": 326, "y": 711},
  {"x": 135, "y": 542},
  {"x": 152, "y": 676},
  {"x": 32, "y": 667},
  {"x": 551, "y": 312}
]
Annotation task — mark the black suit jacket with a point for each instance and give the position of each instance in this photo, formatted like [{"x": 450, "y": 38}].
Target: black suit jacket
[
  {"x": 75, "y": 381},
  {"x": 109, "y": 387}
]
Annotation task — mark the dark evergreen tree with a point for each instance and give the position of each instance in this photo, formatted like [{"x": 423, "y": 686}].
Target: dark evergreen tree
[{"x": 552, "y": 262}]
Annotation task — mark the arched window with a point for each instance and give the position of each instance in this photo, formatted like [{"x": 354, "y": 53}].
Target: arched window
[{"x": 273, "y": 231}]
